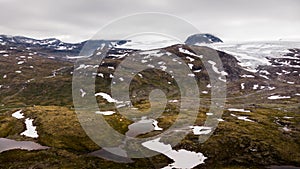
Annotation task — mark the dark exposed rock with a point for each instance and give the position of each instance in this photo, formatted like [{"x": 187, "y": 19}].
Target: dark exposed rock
[{"x": 202, "y": 38}]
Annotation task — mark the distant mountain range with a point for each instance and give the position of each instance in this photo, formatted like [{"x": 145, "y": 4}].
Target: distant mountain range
[
  {"x": 52, "y": 45},
  {"x": 59, "y": 48}
]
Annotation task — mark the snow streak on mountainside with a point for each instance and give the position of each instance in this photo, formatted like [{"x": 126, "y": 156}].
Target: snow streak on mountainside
[{"x": 253, "y": 54}]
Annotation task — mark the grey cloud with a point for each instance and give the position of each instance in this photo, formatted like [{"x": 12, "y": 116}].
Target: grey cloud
[{"x": 76, "y": 20}]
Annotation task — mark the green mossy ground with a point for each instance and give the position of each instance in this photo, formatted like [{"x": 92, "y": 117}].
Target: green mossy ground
[{"x": 235, "y": 144}]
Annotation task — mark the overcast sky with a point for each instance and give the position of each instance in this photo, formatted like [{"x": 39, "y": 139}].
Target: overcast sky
[{"x": 77, "y": 20}]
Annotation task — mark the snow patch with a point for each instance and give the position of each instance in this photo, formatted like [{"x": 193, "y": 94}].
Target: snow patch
[
  {"x": 239, "y": 110},
  {"x": 250, "y": 76},
  {"x": 20, "y": 62},
  {"x": 106, "y": 113},
  {"x": 106, "y": 97},
  {"x": 199, "y": 130},
  {"x": 242, "y": 86},
  {"x": 189, "y": 58},
  {"x": 30, "y": 129},
  {"x": 215, "y": 69},
  {"x": 278, "y": 97},
  {"x": 244, "y": 118},
  {"x": 18, "y": 114},
  {"x": 255, "y": 86},
  {"x": 189, "y": 53},
  {"x": 156, "y": 127},
  {"x": 83, "y": 93}
]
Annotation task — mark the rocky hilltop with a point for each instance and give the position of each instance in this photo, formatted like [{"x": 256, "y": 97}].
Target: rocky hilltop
[{"x": 202, "y": 38}]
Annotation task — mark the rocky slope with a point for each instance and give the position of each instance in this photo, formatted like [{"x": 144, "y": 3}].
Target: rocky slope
[{"x": 259, "y": 127}]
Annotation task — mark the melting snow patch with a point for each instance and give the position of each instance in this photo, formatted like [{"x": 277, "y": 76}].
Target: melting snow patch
[
  {"x": 161, "y": 63},
  {"x": 152, "y": 66},
  {"x": 140, "y": 75},
  {"x": 163, "y": 68},
  {"x": 290, "y": 82},
  {"x": 278, "y": 97},
  {"x": 215, "y": 69},
  {"x": 76, "y": 57},
  {"x": 173, "y": 101},
  {"x": 204, "y": 92},
  {"x": 188, "y": 52},
  {"x": 266, "y": 77},
  {"x": 100, "y": 75},
  {"x": 242, "y": 85},
  {"x": 20, "y": 62},
  {"x": 106, "y": 113},
  {"x": 106, "y": 97},
  {"x": 198, "y": 130},
  {"x": 245, "y": 118},
  {"x": 287, "y": 117},
  {"x": 83, "y": 66},
  {"x": 239, "y": 110},
  {"x": 18, "y": 114},
  {"x": 18, "y": 71},
  {"x": 264, "y": 72},
  {"x": 251, "y": 76},
  {"x": 155, "y": 124},
  {"x": 30, "y": 129},
  {"x": 255, "y": 86},
  {"x": 118, "y": 56},
  {"x": 189, "y": 58},
  {"x": 83, "y": 93},
  {"x": 223, "y": 80},
  {"x": 182, "y": 158},
  {"x": 286, "y": 72},
  {"x": 271, "y": 88},
  {"x": 286, "y": 129}
]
